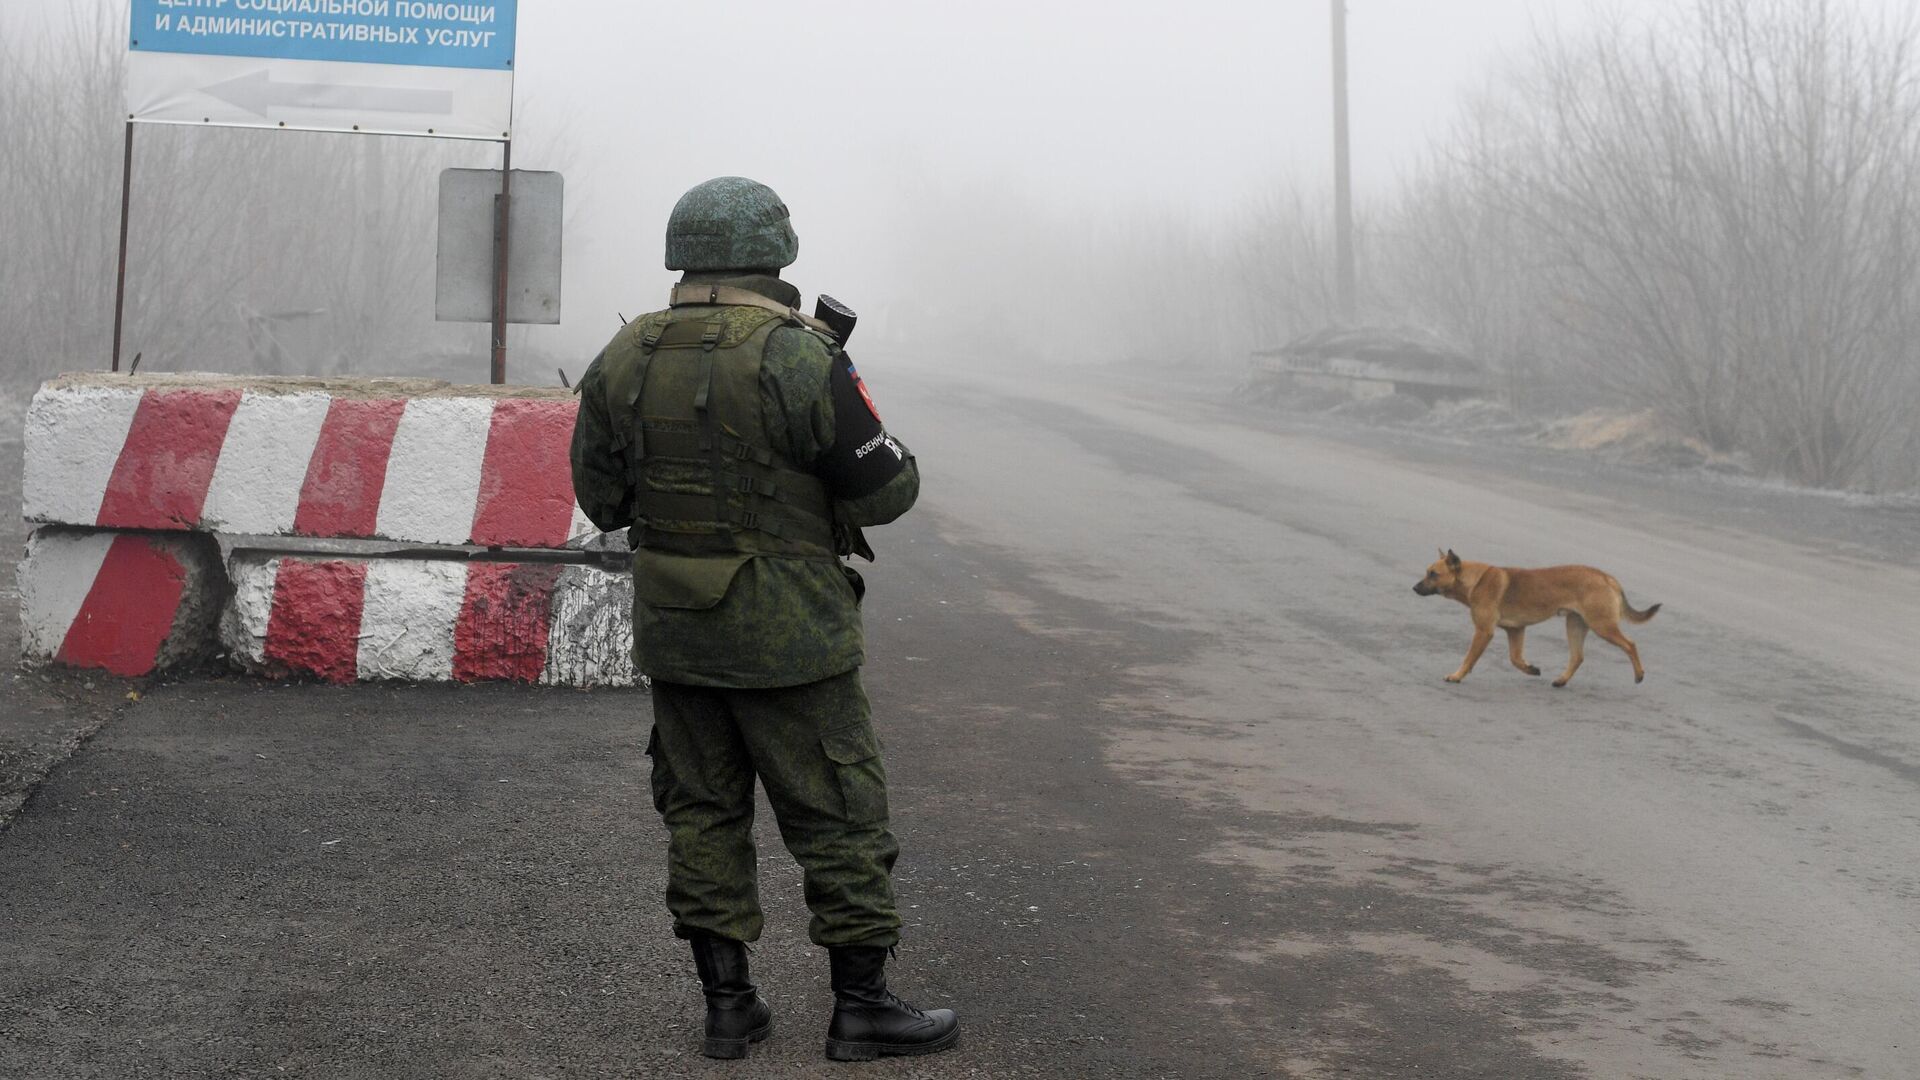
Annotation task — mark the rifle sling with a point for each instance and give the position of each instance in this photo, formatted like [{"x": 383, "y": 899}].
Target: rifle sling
[{"x": 733, "y": 296}]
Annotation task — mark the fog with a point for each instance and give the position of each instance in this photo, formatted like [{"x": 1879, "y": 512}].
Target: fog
[
  {"x": 874, "y": 119},
  {"x": 1187, "y": 780},
  {"x": 879, "y": 115},
  {"x": 1038, "y": 183},
  {"x": 871, "y": 118}
]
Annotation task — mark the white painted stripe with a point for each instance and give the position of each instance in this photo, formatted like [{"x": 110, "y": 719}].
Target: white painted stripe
[
  {"x": 263, "y": 464},
  {"x": 54, "y": 579},
  {"x": 433, "y": 473},
  {"x": 243, "y": 625},
  {"x": 406, "y": 628},
  {"x": 590, "y": 635},
  {"x": 73, "y": 440},
  {"x": 582, "y": 525}
]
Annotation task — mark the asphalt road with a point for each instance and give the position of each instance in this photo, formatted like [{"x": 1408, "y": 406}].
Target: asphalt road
[{"x": 1180, "y": 790}]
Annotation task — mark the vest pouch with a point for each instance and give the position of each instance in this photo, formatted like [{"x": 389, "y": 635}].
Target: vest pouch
[{"x": 689, "y": 582}]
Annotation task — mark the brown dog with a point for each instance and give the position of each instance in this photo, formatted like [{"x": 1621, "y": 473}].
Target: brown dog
[{"x": 1514, "y": 599}]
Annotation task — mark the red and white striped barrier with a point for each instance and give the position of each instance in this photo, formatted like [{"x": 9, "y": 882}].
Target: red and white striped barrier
[
  {"x": 420, "y": 620},
  {"x": 384, "y": 459},
  {"x": 126, "y": 603},
  {"x": 126, "y": 476}
]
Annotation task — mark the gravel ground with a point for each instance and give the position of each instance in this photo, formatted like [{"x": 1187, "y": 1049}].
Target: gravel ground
[{"x": 44, "y": 715}]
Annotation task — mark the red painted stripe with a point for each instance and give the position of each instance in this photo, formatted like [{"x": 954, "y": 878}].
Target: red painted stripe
[
  {"x": 314, "y": 628},
  {"x": 348, "y": 471},
  {"x": 129, "y": 611},
  {"x": 166, "y": 465},
  {"x": 526, "y": 484},
  {"x": 502, "y": 632}
]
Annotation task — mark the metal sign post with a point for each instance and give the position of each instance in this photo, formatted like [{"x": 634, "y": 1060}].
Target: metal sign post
[
  {"x": 502, "y": 248},
  {"x": 382, "y": 67},
  {"x": 120, "y": 286}
]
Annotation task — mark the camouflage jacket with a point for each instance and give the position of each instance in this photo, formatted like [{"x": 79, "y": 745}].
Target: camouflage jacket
[{"x": 782, "y": 622}]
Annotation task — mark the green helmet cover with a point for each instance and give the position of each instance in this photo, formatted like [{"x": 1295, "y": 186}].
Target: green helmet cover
[{"x": 730, "y": 223}]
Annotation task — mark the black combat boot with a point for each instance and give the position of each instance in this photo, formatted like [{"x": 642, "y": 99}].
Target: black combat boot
[
  {"x": 735, "y": 1014},
  {"x": 869, "y": 1022}
]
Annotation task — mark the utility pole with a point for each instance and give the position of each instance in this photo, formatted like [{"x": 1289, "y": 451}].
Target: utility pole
[{"x": 1342, "y": 168}]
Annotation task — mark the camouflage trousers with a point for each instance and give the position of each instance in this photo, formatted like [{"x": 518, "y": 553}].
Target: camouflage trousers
[{"x": 814, "y": 750}]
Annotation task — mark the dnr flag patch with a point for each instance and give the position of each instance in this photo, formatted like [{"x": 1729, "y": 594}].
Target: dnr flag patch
[{"x": 860, "y": 385}]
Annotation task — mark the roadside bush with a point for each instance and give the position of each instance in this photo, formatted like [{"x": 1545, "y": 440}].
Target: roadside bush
[{"x": 1714, "y": 214}]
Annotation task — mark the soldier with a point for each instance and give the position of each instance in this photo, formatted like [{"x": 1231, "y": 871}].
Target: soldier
[{"x": 736, "y": 439}]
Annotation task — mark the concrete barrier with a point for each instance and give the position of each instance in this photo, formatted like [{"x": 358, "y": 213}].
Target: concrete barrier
[
  {"x": 404, "y": 460},
  {"x": 136, "y": 483},
  {"x": 424, "y": 620},
  {"x": 126, "y": 603}
]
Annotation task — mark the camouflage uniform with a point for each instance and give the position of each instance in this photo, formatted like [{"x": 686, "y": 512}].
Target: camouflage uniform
[
  {"x": 754, "y": 644},
  {"x": 815, "y": 751}
]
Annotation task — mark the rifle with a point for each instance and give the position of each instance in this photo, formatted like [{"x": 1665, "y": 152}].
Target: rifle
[
  {"x": 838, "y": 317},
  {"x": 847, "y": 539}
]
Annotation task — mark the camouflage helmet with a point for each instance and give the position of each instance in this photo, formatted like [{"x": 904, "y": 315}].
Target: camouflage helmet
[{"x": 730, "y": 223}]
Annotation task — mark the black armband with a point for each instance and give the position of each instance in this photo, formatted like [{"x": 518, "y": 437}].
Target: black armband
[{"x": 863, "y": 456}]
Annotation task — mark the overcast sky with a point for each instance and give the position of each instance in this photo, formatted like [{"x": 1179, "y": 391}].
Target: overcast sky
[
  {"x": 861, "y": 112},
  {"x": 852, "y": 110},
  {"x": 1196, "y": 100}
]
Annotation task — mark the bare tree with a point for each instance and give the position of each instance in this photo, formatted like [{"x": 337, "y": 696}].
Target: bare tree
[
  {"x": 1282, "y": 264},
  {"x": 1727, "y": 204},
  {"x": 1454, "y": 260}
]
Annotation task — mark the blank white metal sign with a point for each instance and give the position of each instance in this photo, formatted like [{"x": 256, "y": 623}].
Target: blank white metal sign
[{"x": 463, "y": 289}]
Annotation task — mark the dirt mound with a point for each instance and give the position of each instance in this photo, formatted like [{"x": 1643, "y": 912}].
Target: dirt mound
[
  {"x": 1640, "y": 438},
  {"x": 1386, "y": 409},
  {"x": 1282, "y": 392},
  {"x": 1478, "y": 416},
  {"x": 1400, "y": 346}
]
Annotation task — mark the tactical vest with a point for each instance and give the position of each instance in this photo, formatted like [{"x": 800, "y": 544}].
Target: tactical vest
[{"x": 709, "y": 491}]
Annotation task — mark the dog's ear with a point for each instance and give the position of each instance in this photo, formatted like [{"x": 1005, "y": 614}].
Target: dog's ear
[
  {"x": 1453, "y": 561},
  {"x": 1443, "y": 554}
]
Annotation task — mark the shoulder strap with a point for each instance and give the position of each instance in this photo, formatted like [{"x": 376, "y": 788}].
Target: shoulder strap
[
  {"x": 646, "y": 331},
  {"x": 733, "y": 296}
]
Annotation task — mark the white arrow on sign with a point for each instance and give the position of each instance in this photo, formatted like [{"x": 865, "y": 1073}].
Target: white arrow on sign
[{"x": 256, "y": 92}]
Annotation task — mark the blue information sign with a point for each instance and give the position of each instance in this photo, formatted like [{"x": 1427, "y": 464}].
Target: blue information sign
[{"x": 415, "y": 33}]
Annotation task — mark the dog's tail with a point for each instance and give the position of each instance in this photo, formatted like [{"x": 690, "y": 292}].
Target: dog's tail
[{"x": 1636, "y": 616}]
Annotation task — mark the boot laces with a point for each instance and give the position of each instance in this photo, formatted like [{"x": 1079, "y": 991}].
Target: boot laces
[
  {"x": 907, "y": 1005},
  {"x": 893, "y": 953}
]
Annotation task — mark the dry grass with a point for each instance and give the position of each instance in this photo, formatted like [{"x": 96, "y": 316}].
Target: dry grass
[{"x": 1640, "y": 437}]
